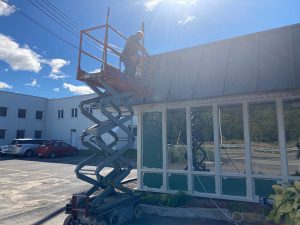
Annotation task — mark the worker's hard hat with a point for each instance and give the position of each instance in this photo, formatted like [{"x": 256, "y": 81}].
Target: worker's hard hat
[{"x": 140, "y": 33}]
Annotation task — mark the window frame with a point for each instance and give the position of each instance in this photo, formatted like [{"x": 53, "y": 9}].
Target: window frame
[
  {"x": 74, "y": 112},
  {"x": 36, "y": 114},
  {"x": 60, "y": 114},
  {"x": 6, "y": 111},
  {"x": 4, "y": 136},
  {"x": 19, "y": 113},
  {"x": 41, "y": 134},
  {"x": 20, "y": 131}
]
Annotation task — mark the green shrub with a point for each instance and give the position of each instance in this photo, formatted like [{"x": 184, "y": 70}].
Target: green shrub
[
  {"x": 174, "y": 200},
  {"x": 150, "y": 198},
  {"x": 286, "y": 207}
]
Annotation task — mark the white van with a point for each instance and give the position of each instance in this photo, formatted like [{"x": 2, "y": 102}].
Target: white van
[{"x": 25, "y": 147}]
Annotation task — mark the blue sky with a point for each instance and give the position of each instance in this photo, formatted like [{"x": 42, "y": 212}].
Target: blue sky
[{"x": 34, "y": 62}]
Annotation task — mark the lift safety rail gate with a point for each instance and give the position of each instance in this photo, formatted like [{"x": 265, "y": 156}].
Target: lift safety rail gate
[{"x": 107, "y": 201}]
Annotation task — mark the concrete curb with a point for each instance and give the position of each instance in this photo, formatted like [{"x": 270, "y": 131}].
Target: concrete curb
[{"x": 204, "y": 213}]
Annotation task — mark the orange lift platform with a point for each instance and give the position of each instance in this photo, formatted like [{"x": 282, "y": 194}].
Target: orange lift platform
[{"x": 108, "y": 73}]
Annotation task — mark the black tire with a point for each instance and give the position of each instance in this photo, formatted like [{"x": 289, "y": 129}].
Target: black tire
[
  {"x": 68, "y": 220},
  {"x": 52, "y": 155},
  {"x": 138, "y": 213},
  {"x": 28, "y": 153},
  {"x": 114, "y": 218}
]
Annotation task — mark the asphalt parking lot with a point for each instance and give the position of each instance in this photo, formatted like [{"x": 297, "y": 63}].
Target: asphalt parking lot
[{"x": 32, "y": 189}]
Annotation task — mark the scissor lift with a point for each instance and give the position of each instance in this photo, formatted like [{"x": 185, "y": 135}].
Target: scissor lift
[{"x": 107, "y": 201}]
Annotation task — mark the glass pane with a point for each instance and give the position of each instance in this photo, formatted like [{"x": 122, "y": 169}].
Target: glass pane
[
  {"x": 263, "y": 188},
  {"x": 264, "y": 139},
  {"x": 152, "y": 140},
  {"x": 176, "y": 139},
  {"x": 39, "y": 115},
  {"x": 234, "y": 186},
  {"x": 3, "y": 111},
  {"x": 291, "y": 110},
  {"x": 177, "y": 182},
  {"x": 22, "y": 113},
  {"x": 204, "y": 184},
  {"x": 232, "y": 139},
  {"x": 2, "y": 134},
  {"x": 153, "y": 180},
  {"x": 203, "y": 139}
]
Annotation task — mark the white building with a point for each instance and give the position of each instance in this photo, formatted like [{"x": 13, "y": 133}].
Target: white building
[
  {"x": 21, "y": 116},
  {"x": 223, "y": 120},
  {"x": 36, "y": 117}
]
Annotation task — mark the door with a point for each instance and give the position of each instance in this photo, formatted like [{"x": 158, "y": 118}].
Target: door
[{"x": 73, "y": 140}]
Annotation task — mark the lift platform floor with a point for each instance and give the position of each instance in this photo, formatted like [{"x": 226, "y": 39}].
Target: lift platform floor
[{"x": 114, "y": 78}]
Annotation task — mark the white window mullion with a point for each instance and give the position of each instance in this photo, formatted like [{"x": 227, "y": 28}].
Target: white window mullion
[
  {"x": 217, "y": 149},
  {"x": 139, "y": 148},
  {"x": 247, "y": 150},
  {"x": 164, "y": 142},
  {"x": 189, "y": 149},
  {"x": 281, "y": 137}
]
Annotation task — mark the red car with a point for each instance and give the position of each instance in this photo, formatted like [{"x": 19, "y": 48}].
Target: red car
[{"x": 56, "y": 148}]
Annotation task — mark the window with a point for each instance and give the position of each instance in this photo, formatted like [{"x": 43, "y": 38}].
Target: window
[
  {"x": 74, "y": 112},
  {"x": 176, "y": 139},
  {"x": 231, "y": 138},
  {"x": 291, "y": 111},
  {"x": 3, "y": 111},
  {"x": 60, "y": 114},
  {"x": 202, "y": 139},
  {"x": 264, "y": 139},
  {"x": 39, "y": 115},
  {"x": 20, "y": 134},
  {"x": 38, "y": 134},
  {"x": 152, "y": 144},
  {"x": 64, "y": 145},
  {"x": 2, "y": 133},
  {"x": 22, "y": 113},
  {"x": 133, "y": 129}
]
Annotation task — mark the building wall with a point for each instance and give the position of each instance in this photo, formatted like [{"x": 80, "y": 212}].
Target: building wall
[
  {"x": 11, "y": 123},
  {"x": 63, "y": 128},
  {"x": 67, "y": 128},
  {"x": 250, "y": 143}
]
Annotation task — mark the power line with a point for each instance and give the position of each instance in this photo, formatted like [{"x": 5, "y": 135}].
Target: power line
[
  {"x": 62, "y": 14},
  {"x": 53, "y": 17},
  {"x": 67, "y": 21},
  {"x": 75, "y": 31},
  {"x": 41, "y": 25}
]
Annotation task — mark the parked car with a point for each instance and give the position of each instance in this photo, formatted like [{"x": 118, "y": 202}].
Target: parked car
[
  {"x": 56, "y": 148},
  {"x": 3, "y": 149},
  {"x": 25, "y": 147}
]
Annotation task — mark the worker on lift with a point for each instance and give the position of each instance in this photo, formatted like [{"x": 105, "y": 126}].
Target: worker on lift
[{"x": 133, "y": 53}]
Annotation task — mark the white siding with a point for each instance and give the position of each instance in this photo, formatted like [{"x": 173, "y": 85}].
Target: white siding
[
  {"x": 52, "y": 127},
  {"x": 61, "y": 128},
  {"x": 12, "y": 123}
]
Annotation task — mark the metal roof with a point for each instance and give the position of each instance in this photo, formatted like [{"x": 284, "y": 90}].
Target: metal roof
[{"x": 263, "y": 61}]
